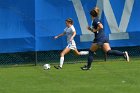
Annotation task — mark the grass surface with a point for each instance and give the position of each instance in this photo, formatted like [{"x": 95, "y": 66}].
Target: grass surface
[{"x": 104, "y": 77}]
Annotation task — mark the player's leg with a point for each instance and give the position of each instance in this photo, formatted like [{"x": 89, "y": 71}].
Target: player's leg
[
  {"x": 93, "y": 48},
  {"x": 81, "y": 52},
  {"x": 107, "y": 49},
  {"x": 74, "y": 48},
  {"x": 62, "y": 54}
]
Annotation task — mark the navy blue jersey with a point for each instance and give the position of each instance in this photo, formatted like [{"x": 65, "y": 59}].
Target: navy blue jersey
[
  {"x": 99, "y": 34},
  {"x": 100, "y": 37}
]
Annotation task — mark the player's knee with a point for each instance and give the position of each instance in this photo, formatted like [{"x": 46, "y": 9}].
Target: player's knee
[
  {"x": 109, "y": 52},
  {"x": 91, "y": 53},
  {"x": 62, "y": 54}
]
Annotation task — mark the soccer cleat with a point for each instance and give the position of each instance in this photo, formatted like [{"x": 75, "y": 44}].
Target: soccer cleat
[
  {"x": 126, "y": 56},
  {"x": 57, "y": 67},
  {"x": 85, "y": 68}
]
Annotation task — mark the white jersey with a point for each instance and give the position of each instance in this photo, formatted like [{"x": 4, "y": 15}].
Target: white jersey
[{"x": 69, "y": 32}]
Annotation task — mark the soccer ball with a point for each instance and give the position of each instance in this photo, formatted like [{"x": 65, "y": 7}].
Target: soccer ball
[{"x": 46, "y": 66}]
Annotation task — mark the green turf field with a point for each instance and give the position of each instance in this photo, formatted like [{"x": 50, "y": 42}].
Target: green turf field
[{"x": 105, "y": 77}]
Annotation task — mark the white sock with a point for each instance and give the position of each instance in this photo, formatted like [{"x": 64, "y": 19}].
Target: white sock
[
  {"x": 84, "y": 52},
  {"x": 61, "y": 61}
]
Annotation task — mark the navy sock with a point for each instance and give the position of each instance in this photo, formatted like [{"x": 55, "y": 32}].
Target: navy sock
[
  {"x": 90, "y": 58},
  {"x": 115, "y": 52}
]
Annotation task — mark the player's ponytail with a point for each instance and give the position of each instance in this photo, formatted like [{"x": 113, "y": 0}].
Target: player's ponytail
[{"x": 95, "y": 12}]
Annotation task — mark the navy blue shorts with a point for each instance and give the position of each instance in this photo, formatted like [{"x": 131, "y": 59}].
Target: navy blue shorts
[{"x": 101, "y": 41}]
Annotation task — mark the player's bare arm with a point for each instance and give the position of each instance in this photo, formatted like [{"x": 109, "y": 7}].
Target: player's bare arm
[{"x": 60, "y": 35}]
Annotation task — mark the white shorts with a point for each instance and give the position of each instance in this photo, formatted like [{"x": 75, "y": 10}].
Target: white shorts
[{"x": 72, "y": 45}]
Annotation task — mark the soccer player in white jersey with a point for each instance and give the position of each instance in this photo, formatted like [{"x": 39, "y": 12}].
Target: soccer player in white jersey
[{"x": 70, "y": 32}]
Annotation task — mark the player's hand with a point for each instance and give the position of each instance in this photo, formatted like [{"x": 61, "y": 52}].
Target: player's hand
[
  {"x": 55, "y": 37},
  {"x": 88, "y": 28},
  {"x": 94, "y": 30}
]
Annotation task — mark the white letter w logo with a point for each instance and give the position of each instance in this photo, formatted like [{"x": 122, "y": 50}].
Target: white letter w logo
[
  {"x": 116, "y": 32},
  {"x": 104, "y": 5}
]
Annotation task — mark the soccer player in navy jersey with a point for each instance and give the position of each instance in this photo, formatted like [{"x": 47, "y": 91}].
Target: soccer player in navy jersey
[{"x": 100, "y": 41}]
